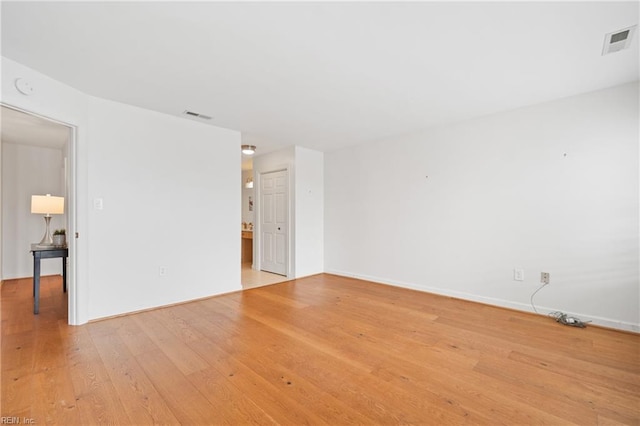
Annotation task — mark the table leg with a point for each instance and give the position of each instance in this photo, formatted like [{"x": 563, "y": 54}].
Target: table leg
[
  {"x": 36, "y": 284},
  {"x": 64, "y": 274}
]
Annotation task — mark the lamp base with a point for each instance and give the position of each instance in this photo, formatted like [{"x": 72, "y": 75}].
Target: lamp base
[
  {"x": 43, "y": 246},
  {"x": 47, "y": 239}
]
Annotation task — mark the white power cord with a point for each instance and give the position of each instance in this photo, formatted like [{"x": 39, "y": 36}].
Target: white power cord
[
  {"x": 560, "y": 317},
  {"x": 531, "y": 298}
]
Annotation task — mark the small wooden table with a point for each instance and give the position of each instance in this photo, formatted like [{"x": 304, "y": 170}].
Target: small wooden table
[{"x": 48, "y": 252}]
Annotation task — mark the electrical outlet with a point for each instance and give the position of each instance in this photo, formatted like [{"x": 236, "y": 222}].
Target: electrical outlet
[
  {"x": 545, "y": 277},
  {"x": 518, "y": 274},
  {"x": 162, "y": 271}
]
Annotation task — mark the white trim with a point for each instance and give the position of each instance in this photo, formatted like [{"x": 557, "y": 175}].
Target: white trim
[
  {"x": 604, "y": 322},
  {"x": 72, "y": 289}
]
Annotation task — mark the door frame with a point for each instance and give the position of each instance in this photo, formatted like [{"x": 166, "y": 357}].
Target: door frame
[
  {"x": 257, "y": 232},
  {"x": 71, "y": 182}
]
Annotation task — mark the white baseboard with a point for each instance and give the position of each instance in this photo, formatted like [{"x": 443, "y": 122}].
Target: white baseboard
[{"x": 604, "y": 322}]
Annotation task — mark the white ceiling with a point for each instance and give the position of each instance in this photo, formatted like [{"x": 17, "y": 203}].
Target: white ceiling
[
  {"x": 26, "y": 129},
  {"x": 324, "y": 75}
]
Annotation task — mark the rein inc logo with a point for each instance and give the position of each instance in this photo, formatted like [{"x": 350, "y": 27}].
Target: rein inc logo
[{"x": 7, "y": 420}]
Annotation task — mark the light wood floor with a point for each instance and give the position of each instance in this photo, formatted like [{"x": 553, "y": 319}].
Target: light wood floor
[
  {"x": 320, "y": 350},
  {"x": 252, "y": 278}
]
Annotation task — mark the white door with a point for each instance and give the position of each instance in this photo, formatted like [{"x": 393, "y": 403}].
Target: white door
[{"x": 274, "y": 224}]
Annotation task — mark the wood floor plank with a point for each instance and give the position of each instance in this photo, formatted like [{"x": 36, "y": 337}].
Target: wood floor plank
[
  {"x": 320, "y": 350},
  {"x": 298, "y": 332},
  {"x": 101, "y": 405},
  {"x": 184, "y": 400},
  {"x": 243, "y": 368},
  {"x": 403, "y": 402},
  {"x": 53, "y": 399},
  {"x": 230, "y": 404},
  {"x": 599, "y": 375},
  {"x": 18, "y": 351},
  {"x": 17, "y": 392},
  {"x": 138, "y": 396},
  {"x": 87, "y": 370},
  {"x": 286, "y": 382},
  {"x": 137, "y": 341},
  {"x": 184, "y": 358},
  {"x": 569, "y": 390}
]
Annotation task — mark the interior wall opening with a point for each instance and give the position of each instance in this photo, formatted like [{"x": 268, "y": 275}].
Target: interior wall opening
[
  {"x": 251, "y": 276},
  {"x": 37, "y": 159}
]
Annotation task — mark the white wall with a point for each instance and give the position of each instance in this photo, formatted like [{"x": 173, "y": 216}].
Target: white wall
[
  {"x": 170, "y": 199},
  {"x": 28, "y": 170},
  {"x": 1, "y": 207},
  {"x": 309, "y": 208},
  {"x": 553, "y": 187},
  {"x": 1, "y": 218}
]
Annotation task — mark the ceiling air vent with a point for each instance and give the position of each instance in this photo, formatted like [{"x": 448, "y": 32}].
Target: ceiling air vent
[
  {"x": 196, "y": 115},
  {"x": 618, "y": 40}
]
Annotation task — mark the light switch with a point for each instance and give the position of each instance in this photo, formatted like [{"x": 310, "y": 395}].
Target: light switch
[{"x": 97, "y": 203}]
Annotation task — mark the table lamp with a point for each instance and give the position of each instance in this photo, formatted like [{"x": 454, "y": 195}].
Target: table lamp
[{"x": 47, "y": 205}]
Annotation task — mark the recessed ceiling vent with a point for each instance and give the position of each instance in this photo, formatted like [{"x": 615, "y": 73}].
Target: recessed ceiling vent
[
  {"x": 618, "y": 40},
  {"x": 196, "y": 115}
]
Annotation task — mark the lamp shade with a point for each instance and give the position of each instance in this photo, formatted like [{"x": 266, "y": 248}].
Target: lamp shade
[{"x": 47, "y": 204}]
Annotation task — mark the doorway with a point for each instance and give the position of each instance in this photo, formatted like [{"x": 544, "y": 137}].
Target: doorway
[
  {"x": 38, "y": 157},
  {"x": 251, "y": 275}
]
